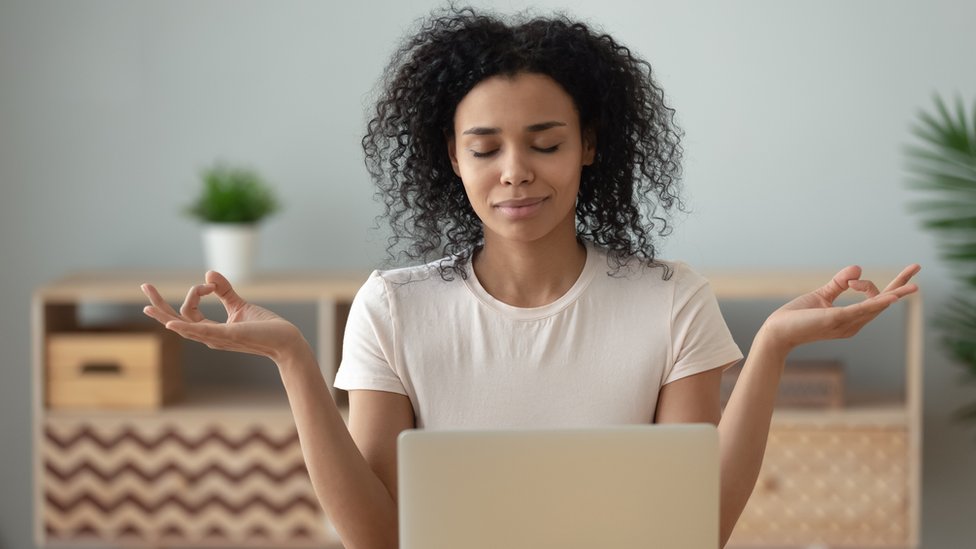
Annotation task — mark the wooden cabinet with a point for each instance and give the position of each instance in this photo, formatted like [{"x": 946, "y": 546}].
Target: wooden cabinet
[
  {"x": 213, "y": 468},
  {"x": 845, "y": 477},
  {"x": 224, "y": 468}
]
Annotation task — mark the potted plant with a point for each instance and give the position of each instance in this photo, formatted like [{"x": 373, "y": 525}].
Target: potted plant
[
  {"x": 944, "y": 167},
  {"x": 231, "y": 204}
]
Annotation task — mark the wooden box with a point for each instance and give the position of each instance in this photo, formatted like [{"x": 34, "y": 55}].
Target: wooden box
[{"x": 117, "y": 367}]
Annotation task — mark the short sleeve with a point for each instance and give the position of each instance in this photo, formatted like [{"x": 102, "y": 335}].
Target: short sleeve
[
  {"x": 700, "y": 337},
  {"x": 368, "y": 356}
]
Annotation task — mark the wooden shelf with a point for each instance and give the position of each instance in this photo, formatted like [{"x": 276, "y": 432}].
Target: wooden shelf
[
  {"x": 894, "y": 415},
  {"x": 211, "y": 402},
  {"x": 778, "y": 283},
  {"x": 885, "y": 428},
  {"x": 137, "y": 454},
  {"x": 122, "y": 286}
]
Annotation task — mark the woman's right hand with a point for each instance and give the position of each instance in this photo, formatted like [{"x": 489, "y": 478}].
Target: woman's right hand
[{"x": 249, "y": 328}]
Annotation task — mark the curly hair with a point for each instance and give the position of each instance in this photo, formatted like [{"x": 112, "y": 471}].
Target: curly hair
[{"x": 635, "y": 172}]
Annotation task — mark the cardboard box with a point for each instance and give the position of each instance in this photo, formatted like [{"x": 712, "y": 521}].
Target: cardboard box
[{"x": 121, "y": 367}]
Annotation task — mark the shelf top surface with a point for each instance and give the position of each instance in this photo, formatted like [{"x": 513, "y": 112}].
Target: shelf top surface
[
  {"x": 783, "y": 282},
  {"x": 124, "y": 284},
  {"x": 200, "y": 402}
]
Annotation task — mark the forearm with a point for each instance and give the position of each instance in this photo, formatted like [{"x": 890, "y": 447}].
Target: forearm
[
  {"x": 744, "y": 429},
  {"x": 356, "y": 501}
]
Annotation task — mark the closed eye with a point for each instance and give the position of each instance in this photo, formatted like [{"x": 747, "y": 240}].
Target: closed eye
[{"x": 547, "y": 150}]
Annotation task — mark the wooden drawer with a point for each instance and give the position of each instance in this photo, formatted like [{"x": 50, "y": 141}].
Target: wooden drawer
[
  {"x": 143, "y": 481},
  {"x": 832, "y": 486},
  {"x": 118, "y": 368}
]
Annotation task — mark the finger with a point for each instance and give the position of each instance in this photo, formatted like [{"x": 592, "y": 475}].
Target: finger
[
  {"x": 224, "y": 291},
  {"x": 906, "y": 274},
  {"x": 864, "y": 286},
  {"x": 852, "y": 318},
  {"x": 839, "y": 283},
  {"x": 159, "y": 304},
  {"x": 153, "y": 312},
  {"x": 872, "y": 306},
  {"x": 904, "y": 290},
  {"x": 849, "y": 320},
  {"x": 191, "y": 306}
]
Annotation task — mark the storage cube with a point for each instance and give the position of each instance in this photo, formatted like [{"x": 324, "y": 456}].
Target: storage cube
[{"x": 123, "y": 367}]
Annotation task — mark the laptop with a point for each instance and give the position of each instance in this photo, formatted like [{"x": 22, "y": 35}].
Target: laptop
[{"x": 619, "y": 487}]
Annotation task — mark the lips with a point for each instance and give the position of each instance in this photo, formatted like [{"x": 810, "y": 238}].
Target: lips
[
  {"x": 520, "y": 208},
  {"x": 520, "y": 202}
]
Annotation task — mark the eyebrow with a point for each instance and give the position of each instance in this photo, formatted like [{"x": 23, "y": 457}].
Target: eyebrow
[{"x": 542, "y": 126}]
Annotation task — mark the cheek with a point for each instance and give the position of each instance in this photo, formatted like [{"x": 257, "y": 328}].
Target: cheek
[
  {"x": 475, "y": 193},
  {"x": 566, "y": 172},
  {"x": 477, "y": 176}
]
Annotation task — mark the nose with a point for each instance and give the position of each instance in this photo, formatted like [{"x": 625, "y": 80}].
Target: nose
[{"x": 516, "y": 169}]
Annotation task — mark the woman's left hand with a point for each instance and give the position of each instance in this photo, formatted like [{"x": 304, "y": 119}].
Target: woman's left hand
[{"x": 812, "y": 317}]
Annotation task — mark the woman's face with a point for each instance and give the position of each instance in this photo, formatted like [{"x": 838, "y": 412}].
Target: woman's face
[{"x": 517, "y": 147}]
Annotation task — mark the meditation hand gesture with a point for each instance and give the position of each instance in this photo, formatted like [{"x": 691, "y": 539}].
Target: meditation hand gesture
[
  {"x": 812, "y": 317},
  {"x": 249, "y": 328}
]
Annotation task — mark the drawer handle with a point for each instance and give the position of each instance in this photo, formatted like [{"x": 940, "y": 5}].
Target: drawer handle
[{"x": 101, "y": 368}]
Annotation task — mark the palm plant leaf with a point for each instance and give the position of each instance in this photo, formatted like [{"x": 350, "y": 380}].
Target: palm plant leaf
[{"x": 943, "y": 165}]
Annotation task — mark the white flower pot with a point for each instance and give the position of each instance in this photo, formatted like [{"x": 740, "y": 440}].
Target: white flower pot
[{"x": 230, "y": 248}]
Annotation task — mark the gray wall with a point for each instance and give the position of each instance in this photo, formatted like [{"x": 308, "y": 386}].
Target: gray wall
[{"x": 795, "y": 115}]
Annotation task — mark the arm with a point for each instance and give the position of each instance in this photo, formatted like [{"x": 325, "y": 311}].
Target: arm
[
  {"x": 744, "y": 426},
  {"x": 695, "y": 399},
  {"x": 742, "y": 429},
  {"x": 353, "y": 471}
]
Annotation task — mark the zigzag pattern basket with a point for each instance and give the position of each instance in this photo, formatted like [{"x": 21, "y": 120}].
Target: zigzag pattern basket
[{"x": 162, "y": 483}]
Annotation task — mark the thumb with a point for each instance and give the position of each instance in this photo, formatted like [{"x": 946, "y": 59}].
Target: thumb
[{"x": 224, "y": 291}]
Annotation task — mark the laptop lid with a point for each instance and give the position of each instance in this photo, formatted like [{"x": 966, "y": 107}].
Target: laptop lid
[{"x": 620, "y": 487}]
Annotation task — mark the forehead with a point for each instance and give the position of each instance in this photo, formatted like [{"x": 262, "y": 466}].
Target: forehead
[{"x": 515, "y": 102}]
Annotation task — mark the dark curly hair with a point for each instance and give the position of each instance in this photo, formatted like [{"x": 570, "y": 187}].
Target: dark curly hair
[{"x": 635, "y": 172}]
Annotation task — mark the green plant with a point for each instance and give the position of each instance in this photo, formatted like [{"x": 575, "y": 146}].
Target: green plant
[
  {"x": 944, "y": 166},
  {"x": 233, "y": 195}
]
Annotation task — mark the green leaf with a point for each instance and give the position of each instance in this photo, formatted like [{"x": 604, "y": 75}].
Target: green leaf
[
  {"x": 961, "y": 162},
  {"x": 961, "y": 119},
  {"x": 943, "y": 166},
  {"x": 952, "y": 223},
  {"x": 233, "y": 195}
]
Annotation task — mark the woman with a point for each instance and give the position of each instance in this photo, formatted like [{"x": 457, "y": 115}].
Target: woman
[{"x": 532, "y": 162}]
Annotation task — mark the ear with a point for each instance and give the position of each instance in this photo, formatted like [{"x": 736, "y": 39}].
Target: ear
[
  {"x": 452, "y": 152},
  {"x": 589, "y": 146}
]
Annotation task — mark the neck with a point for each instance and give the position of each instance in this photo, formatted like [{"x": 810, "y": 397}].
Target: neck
[{"x": 529, "y": 274}]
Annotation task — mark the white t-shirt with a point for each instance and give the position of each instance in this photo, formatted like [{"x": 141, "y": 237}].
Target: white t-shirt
[{"x": 598, "y": 355}]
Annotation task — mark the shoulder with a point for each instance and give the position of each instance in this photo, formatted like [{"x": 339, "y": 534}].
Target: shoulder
[
  {"x": 685, "y": 276},
  {"x": 672, "y": 275},
  {"x": 429, "y": 273},
  {"x": 408, "y": 280}
]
